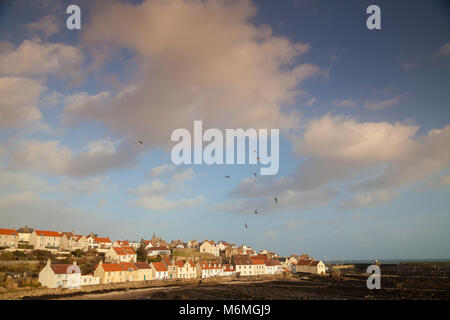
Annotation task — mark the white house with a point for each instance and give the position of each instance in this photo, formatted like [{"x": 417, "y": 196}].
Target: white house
[
  {"x": 121, "y": 254},
  {"x": 42, "y": 240},
  {"x": 60, "y": 275},
  {"x": 310, "y": 266},
  {"x": 154, "y": 251},
  {"x": 72, "y": 242},
  {"x": 229, "y": 270},
  {"x": 244, "y": 266},
  {"x": 209, "y": 269},
  {"x": 9, "y": 238},
  {"x": 185, "y": 269},
  {"x": 159, "y": 270},
  {"x": 89, "y": 279},
  {"x": 317, "y": 267},
  {"x": 210, "y": 247},
  {"x": 259, "y": 265},
  {"x": 99, "y": 242},
  {"x": 273, "y": 267},
  {"x": 24, "y": 234}
]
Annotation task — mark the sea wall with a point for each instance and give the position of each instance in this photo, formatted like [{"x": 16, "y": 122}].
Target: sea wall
[{"x": 36, "y": 293}]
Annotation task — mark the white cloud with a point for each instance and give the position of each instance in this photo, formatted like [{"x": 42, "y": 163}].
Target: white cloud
[
  {"x": 183, "y": 176},
  {"x": 376, "y": 198},
  {"x": 19, "y": 101},
  {"x": 381, "y": 105},
  {"x": 34, "y": 58},
  {"x": 49, "y": 157},
  {"x": 159, "y": 203},
  {"x": 311, "y": 102},
  {"x": 198, "y": 60},
  {"x": 48, "y": 25},
  {"x": 160, "y": 170},
  {"x": 156, "y": 187},
  {"x": 345, "y": 103}
]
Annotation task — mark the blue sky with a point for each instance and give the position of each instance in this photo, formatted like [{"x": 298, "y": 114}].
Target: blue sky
[{"x": 363, "y": 116}]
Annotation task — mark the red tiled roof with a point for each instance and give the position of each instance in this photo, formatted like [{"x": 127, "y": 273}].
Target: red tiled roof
[
  {"x": 272, "y": 263},
  {"x": 314, "y": 263},
  {"x": 47, "y": 233},
  {"x": 61, "y": 268},
  {"x": 180, "y": 263},
  {"x": 8, "y": 232},
  {"x": 104, "y": 240},
  {"x": 142, "y": 265},
  {"x": 242, "y": 260},
  {"x": 128, "y": 265},
  {"x": 256, "y": 260},
  {"x": 111, "y": 267},
  {"x": 129, "y": 250},
  {"x": 159, "y": 266},
  {"x": 304, "y": 262},
  {"x": 119, "y": 251}
]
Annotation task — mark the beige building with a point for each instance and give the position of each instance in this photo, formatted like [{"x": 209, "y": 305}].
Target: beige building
[
  {"x": 209, "y": 247},
  {"x": 9, "y": 238},
  {"x": 24, "y": 234},
  {"x": 144, "y": 271},
  {"x": 42, "y": 240},
  {"x": 110, "y": 272},
  {"x": 60, "y": 275},
  {"x": 317, "y": 267},
  {"x": 244, "y": 266},
  {"x": 206, "y": 269},
  {"x": 310, "y": 266},
  {"x": 185, "y": 269},
  {"x": 72, "y": 242},
  {"x": 159, "y": 271},
  {"x": 121, "y": 254},
  {"x": 89, "y": 280},
  {"x": 259, "y": 266}
]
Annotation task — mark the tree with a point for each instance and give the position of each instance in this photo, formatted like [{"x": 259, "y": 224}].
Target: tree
[{"x": 141, "y": 254}]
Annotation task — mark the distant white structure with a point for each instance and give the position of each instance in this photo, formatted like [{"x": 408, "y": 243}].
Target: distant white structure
[{"x": 60, "y": 275}]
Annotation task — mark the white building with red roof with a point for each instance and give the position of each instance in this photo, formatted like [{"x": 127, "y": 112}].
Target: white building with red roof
[
  {"x": 9, "y": 238},
  {"x": 229, "y": 270},
  {"x": 121, "y": 254},
  {"x": 273, "y": 267},
  {"x": 207, "y": 269},
  {"x": 159, "y": 271},
  {"x": 185, "y": 269},
  {"x": 159, "y": 250},
  {"x": 210, "y": 247},
  {"x": 42, "y": 239},
  {"x": 72, "y": 242},
  {"x": 60, "y": 275},
  {"x": 99, "y": 243}
]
